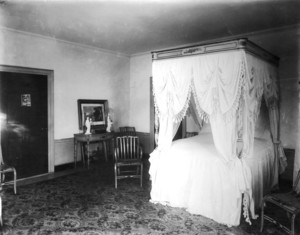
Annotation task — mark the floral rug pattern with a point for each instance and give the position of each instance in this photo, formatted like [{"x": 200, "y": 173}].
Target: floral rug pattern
[{"x": 87, "y": 203}]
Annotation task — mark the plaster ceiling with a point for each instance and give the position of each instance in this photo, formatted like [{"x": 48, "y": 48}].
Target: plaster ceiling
[{"x": 137, "y": 26}]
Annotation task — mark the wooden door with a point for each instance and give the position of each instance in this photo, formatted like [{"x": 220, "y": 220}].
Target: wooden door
[{"x": 24, "y": 131}]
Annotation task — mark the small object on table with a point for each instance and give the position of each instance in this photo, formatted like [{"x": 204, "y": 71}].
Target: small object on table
[{"x": 88, "y": 126}]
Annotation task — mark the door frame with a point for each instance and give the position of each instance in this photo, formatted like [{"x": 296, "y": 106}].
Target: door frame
[{"x": 50, "y": 103}]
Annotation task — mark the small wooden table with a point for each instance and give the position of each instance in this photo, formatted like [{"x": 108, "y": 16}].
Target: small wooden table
[{"x": 82, "y": 139}]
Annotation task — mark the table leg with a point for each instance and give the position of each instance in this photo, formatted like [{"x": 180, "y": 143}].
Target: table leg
[
  {"x": 88, "y": 153},
  {"x": 75, "y": 152},
  {"x": 82, "y": 148},
  {"x": 105, "y": 149}
]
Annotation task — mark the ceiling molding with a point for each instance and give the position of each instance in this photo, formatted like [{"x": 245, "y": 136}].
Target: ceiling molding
[{"x": 66, "y": 42}]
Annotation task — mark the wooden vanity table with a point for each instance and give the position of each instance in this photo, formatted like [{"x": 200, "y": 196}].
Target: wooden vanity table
[{"x": 81, "y": 139}]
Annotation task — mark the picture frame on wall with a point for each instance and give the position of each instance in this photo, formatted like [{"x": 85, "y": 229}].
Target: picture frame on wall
[{"x": 96, "y": 110}]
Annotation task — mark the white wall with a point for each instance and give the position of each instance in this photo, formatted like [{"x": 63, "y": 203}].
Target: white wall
[
  {"x": 140, "y": 73},
  {"x": 80, "y": 72}
]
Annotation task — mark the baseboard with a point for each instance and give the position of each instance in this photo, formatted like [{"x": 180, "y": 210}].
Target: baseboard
[
  {"x": 64, "y": 151},
  {"x": 63, "y": 167}
]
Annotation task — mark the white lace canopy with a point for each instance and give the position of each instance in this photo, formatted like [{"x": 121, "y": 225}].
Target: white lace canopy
[{"x": 227, "y": 88}]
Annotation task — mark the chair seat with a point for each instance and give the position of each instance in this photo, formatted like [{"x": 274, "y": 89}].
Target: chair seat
[
  {"x": 288, "y": 201},
  {"x": 129, "y": 163},
  {"x": 6, "y": 168}
]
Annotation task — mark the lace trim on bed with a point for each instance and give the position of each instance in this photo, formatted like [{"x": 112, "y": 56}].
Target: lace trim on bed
[
  {"x": 154, "y": 99},
  {"x": 178, "y": 117},
  {"x": 230, "y": 114},
  {"x": 246, "y": 208},
  {"x": 201, "y": 113}
]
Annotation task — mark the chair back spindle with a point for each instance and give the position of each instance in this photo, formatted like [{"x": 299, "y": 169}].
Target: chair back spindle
[
  {"x": 127, "y": 131},
  {"x": 127, "y": 148}
]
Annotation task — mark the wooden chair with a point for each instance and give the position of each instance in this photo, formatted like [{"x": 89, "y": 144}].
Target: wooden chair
[
  {"x": 190, "y": 134},
  {"x": 127, "y": 130},
  {"x": 128, "y": 159},
  {"x": 288, "y": 202},
  {"x": 4, "y": 169}
]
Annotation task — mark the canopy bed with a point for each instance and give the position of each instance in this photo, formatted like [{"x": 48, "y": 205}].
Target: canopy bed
[{"x": 231, "y": 163}]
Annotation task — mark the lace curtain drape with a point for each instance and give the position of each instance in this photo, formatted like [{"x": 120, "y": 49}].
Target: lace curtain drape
[
  {"x": 262, "y": 82},
  {"x": 218, "y": 83}
]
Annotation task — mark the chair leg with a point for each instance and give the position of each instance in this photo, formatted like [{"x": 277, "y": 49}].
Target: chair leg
[
  {"x": 141, "y": 175},
  {"x": 116, "y": 175},
  {"x": 15, "y": 181},
  {"x": 293, "y": 224},
  {"x": 262, "y": 216}
]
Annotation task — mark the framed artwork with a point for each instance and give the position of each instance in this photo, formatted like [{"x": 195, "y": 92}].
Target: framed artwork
[
  {"x": 26, "y": 100},
  {"x": 96, "y": 110}
]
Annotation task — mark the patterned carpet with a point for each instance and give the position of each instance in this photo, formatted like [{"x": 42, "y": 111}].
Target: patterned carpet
[{"x": 87, "y": 203}]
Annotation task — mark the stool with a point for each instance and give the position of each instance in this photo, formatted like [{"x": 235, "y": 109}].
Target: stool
[{"x": 289, "y": 202}]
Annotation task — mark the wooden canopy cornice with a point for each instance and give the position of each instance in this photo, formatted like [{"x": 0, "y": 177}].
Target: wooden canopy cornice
[{"x": 238, "y": 44}]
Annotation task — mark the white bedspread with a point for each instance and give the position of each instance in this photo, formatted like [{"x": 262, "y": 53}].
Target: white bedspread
[{"x": 194, "y": 176}]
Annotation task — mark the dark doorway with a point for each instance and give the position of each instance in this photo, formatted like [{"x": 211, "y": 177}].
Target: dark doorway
[{"x": 24, "y": 132}]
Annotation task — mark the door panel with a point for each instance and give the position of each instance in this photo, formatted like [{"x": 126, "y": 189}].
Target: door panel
[{"x": 24, "y": 133}]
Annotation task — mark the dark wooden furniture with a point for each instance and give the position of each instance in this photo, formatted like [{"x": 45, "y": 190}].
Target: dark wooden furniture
[
  {"x": 128, "y": 159},
  {"x": 288, "y": 202},
  {"x": 83, "y": 139},
  {"x": 4, "y": 169}
]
